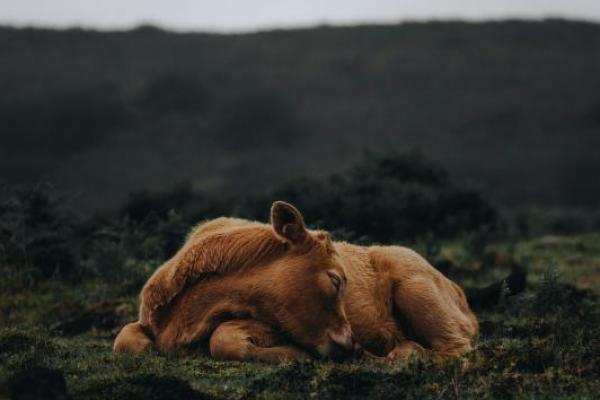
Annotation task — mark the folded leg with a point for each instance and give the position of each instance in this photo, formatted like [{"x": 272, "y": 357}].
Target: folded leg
[
  {"x": 435, "y": 316},
  {"x": 249, "y": 340},
  {"x": 133, "y": 339}
]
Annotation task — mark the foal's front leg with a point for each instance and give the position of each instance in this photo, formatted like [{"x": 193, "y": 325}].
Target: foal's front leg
[{"x": 250, "y": 340}]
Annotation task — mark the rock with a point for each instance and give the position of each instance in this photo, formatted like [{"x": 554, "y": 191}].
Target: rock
[{"x": 38, "y": 383}]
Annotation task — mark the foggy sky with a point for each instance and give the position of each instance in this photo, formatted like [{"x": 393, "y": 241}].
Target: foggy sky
[{"x": 248, "y": 15}]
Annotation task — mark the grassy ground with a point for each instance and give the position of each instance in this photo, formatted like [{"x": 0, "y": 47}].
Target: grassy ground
[{"x": 544, "y": 343}]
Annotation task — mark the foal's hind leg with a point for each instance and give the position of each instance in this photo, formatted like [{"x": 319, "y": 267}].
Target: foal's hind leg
[
  {"x": 249, "y": 340},
  {"x": 434, "y": 310}
]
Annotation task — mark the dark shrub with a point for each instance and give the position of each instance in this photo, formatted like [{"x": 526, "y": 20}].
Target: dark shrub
[
  {"x": 141, "y": 204},
  {"x": 35, "y": 232},
  {"x": 191, "y": 205},
  {"x": 127, "y": 251},
  {"x": 389, "y": 198}
]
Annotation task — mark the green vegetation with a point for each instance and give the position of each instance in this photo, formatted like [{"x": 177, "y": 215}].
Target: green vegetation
[
  {"x": 542, "y": 343},
  {"x": 67, "y": 285}
]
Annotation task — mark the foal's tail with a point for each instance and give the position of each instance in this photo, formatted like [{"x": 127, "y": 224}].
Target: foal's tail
[
  {"x": 133, "y": 338},
  {"x": 488, "y": 296}
]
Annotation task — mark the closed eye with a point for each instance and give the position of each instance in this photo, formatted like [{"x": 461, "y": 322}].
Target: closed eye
[{"x": 336, "y": 280}]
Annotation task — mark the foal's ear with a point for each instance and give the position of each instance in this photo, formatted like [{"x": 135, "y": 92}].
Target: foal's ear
[{"x": 288, "y": 222}]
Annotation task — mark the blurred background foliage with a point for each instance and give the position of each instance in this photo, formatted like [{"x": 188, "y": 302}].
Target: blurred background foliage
[
  {"x": 400, "y": 198},
  {"x": 412, "y": 133},
  {"x": 510, "y": 107}
]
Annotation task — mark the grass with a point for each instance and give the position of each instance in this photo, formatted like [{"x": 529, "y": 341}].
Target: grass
[
  {"x": 577, "y": 258},
  {"x": 544, "y": 343}
]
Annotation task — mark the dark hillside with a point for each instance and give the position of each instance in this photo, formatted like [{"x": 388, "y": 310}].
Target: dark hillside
[{"x": 512, "y": 106}]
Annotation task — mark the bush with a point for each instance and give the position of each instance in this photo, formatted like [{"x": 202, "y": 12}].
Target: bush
[
  {"x": 127, "y": 251},
  {"x": 36, "y": 233},
  {"x": 189, "y": 204},
  {"x": 391, "y": 198},
  {"x": 383, "y": 199},
  {"x": 39, "y": 240},
  {"x": 535, "y": 221}
]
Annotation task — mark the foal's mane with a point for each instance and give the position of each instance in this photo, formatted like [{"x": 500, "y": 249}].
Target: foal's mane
[{"x": 213, "y": 249}]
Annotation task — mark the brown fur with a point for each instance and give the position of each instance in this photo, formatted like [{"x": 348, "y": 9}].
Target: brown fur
[{"x": 249, "y": 291}]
